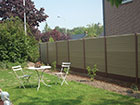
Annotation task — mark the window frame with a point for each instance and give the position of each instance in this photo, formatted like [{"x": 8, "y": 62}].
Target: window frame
[{"x": 126, "y": 1}]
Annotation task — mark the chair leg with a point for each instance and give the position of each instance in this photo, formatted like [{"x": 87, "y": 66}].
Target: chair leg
[
  {"x": 64, "y": 80},
  {"x": 29, "y": 81},
  {"x": 59, "y": 80},
  {"x": 22, "y": 84},
  {"x": 62, "y": 83}
]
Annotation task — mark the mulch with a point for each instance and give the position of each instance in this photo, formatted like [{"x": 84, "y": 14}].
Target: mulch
[{"x": 109, "y": 84}]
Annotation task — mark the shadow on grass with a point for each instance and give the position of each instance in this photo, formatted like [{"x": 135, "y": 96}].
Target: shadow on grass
[
  {"x": 65, "y": 102},
  {"x": 26, "y": 86},
  {"x": 39, "y": 101},
  {"x": 121, "y": 100},
  {"x": 118, "y": 100}
]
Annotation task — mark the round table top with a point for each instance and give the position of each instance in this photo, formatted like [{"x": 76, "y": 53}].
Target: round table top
[{"x": 39, "y": 68}]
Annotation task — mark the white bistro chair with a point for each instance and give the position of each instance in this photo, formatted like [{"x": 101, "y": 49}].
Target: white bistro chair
[
  {"x": 65, "y": 67},
  {"x": 22, "y": 78}
]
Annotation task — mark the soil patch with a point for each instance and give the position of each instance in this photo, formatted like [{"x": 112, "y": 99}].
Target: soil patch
[{"x": 117, "y": 86}]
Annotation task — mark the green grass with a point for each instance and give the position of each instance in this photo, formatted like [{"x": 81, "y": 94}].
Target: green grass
[{"x": 72, "y": 94}]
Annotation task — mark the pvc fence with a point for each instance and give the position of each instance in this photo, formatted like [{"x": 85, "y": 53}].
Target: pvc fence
[{"x": 117, "y": 55}]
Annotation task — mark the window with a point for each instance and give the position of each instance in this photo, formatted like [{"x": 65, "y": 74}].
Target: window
[{"x": 126, "y": 1}]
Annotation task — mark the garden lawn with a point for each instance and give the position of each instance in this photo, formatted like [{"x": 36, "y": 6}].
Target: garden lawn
[{"x": 72, "y": 94}]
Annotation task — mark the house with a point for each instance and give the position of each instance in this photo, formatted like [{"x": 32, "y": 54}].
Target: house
[
  {"x": 77, "y": 36},
  {"x": 122, "y": 20}
]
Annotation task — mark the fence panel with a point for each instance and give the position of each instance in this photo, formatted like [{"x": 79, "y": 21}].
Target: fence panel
[
  {"x": 76, "y": 53},
  {"x": 51, "y": 52},
  {"x": 121, "y": 55},
  {"x": 62, "y": 51},
  {"x": 139, "y": 55},
  {"x": 95, "y": 54},
  {"x": 43, "y": 52}
]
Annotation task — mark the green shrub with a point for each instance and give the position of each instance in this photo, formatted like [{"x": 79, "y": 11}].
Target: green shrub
[
  {"x": 8, "y": 65},
  {"x": 3, "y": 65},
  {"x": 92, "y": 72},
  {"x": 51, "y": 39},
  {"x": 66, "y": 70},
  {"x": 15, "y": 46},
  {"x": 53, "y": 65},
  {"x": 134, "y": 87}
]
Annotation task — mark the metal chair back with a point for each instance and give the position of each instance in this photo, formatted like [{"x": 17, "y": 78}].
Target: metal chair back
[
  {"x": 65, "y": 65},
  {"x": 20, "y": 75}
]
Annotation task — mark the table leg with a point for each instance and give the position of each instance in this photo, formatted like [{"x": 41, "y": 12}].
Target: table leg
[
  {"x": 45, "y": 83},
  {"x": 38, "y": 80},
  {"x": 43, "y": 80}
]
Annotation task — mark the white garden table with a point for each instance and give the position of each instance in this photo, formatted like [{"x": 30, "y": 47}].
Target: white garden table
[{"x": 40, "y": 76}]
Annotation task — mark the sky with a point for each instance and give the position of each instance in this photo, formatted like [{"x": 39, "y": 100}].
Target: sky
[{"x": 70, "y": 13}]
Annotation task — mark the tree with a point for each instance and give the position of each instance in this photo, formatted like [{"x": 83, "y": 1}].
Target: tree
[
  {"x": 46, "y": 28},
  {"x": 94, "y": 30},
  {"x": 62, "y": 30},
  {"x": 56, "y": 35},
  {"x": 14, "y": 45},
  {"x": 9, "y": 8},
  {"x": 14, "y": 8},
  {"x": 115, "y": 2},
  {"x": 78, "y": 30}
]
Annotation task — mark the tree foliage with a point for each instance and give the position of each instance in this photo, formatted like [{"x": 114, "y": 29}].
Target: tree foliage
[
  {"x": 51, "y": 39},
  {"x": 62, "y": 30},
  {"x": 14, "y": 8},
  {"x": 14, "y": 45},
  {"x": 115, "y": 2},
  {"x": 9, "y": 8},
  {"x": 56, "y": 35},
  {"x": 77, "y": 30},
  {"x": 46, "y": 28},
  {"x": 92, "y": 30}
]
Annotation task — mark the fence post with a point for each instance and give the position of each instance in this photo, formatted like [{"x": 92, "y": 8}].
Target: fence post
[
  {"x": 68, "y": 50},
  {"x": 105, "y": 47},
  {"x": 48, "y": 52},
  {"x": 40, "y": 51},
  {"x": 56, "y": 53},
  {"x": 84, "y": 54},
  {"x": 136, "y": 57}
]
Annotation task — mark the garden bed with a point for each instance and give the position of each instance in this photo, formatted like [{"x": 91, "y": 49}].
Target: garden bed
[{"x": 117, "y": 86}]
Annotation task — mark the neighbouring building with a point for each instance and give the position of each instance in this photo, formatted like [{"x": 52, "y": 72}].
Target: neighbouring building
[
  {"x": 77, "y": 36},
  {"x": 122, "y": 20}
]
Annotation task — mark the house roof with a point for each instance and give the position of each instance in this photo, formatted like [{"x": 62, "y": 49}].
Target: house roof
[{"x": 77, "y": 36}]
